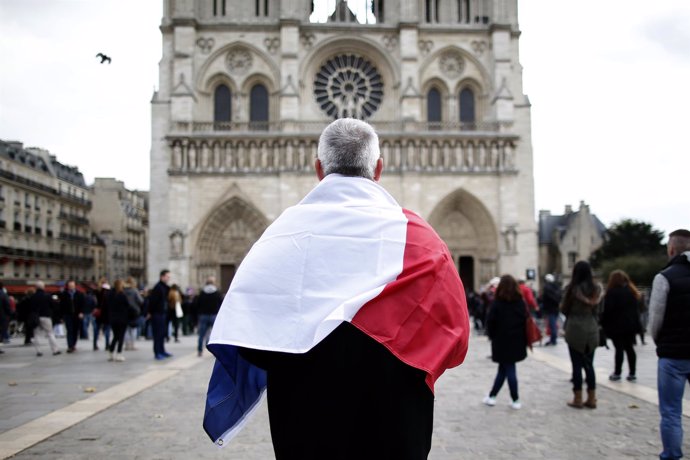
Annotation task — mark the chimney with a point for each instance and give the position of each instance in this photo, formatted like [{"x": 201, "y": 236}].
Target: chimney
[{"x": 568, "y": 209}]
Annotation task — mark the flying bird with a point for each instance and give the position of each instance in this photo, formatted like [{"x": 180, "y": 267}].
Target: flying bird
[{"x": 103, "y": 58}]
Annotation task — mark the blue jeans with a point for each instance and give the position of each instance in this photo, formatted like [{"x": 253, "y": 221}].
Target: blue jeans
[
  {"x": 553, "y": 327},
  {"x": 671, "y": 377},
  {"x": 582, "y": 361},
  {"x": 205, "y": 325},
  {"x": 88, "y": 319},
  {"x": 159, "y": 325},
  {"x": 506, "y": 371}
]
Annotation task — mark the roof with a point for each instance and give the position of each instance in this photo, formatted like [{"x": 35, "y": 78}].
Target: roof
[{"x": 548, "y": 224}]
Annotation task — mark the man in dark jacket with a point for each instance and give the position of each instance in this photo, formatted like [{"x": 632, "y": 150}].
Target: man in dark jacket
[
  {"x": 157, "y": 310},
  {"x": 207, "y": 305},
  {"x": 41, "y": 312},
  {"x": 5, "y": 313},
  {"x": 550, "y": 300},
  {"x": 72, "y": 304},
  {"x": 669, "y": 325}
]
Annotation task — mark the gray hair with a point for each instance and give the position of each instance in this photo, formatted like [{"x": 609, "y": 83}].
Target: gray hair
[
  {"x": 349, "y": 147},
  {"x": 40, "y": 285}
]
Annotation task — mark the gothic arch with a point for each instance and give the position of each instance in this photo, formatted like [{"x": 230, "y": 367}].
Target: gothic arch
[
  {"x": 203, "y": 79},
  {"x": 486, "y": 83},
  {"x": 469, "y": 230},
  {"x": 226, "y": 236}
]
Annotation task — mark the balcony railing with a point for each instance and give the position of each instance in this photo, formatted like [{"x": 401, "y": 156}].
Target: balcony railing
[
  {"x": 77, "y": 238},
  {"x": 426, "y": 152},
  {"x": 303, "y": 127},
  {"x": 74, "y": 218}
]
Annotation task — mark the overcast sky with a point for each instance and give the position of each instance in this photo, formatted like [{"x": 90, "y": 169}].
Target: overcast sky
[{"x": 608, "y": 82}]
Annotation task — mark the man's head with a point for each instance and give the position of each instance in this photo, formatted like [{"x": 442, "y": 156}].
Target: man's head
[
  {"x": 549, "y": 278},
  {"x": 349, "y": 147},
  {"x": 678, "y": 242},
  {"x": 40, "y": 285},
  {"x": 71, "y": 285},
  {"x": 165, "y": 276},
  {"x": 211, "y": 280}
]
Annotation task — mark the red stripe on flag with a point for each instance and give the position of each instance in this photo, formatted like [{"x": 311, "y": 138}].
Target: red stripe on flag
[{"x": 421, "y": 317}]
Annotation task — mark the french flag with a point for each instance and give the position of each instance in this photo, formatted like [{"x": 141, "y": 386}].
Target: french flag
[{"x": 346, "y": 252}]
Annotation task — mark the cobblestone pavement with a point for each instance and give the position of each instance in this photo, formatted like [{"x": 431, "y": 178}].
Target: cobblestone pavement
[{"x": 164, "y": 421}]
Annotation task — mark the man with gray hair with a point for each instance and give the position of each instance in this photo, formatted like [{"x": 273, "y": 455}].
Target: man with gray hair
[
  {"x": 669, "y": 326},
  {"x": 347, "y": 310},
  {"x": 41, "y": 311}
]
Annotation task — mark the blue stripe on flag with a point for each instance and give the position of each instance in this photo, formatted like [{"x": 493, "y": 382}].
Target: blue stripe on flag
[{"x": 235, "y": 389}]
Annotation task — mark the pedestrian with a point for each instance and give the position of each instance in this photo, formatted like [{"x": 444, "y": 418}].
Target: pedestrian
[
  {"x": 41, "y": 317},
  {"x": 89, "y": 306},
  {"x": 175, "y": 312},
  {"x": 506, "y": 325},
  {"x": 72, "y": 310},
  {"x": 528, "y": 297},
  {"x": 551, "y": 299},
  {"x": 621, "y": 321},
  {"x": 24, "y": 316},
  {"x": 669, "y": 326},
  {"x": 207, "y": 305},
  {"x": 136, "y": 301},
  {"x": 581, "y": 308},
  {"x": 157, "y": 308},
  {"x": 5, "y": 314},
  {"x": 101, "y": 314},
  {"x": 346, "y": 310},
  {"x": 118, "y": 309}
]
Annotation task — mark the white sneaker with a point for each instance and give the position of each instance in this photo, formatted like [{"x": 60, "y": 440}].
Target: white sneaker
[
  {"x": 119, "y": 357},
  {"x": 516, "y": 404},
  {"x": 489, "y": 400}
]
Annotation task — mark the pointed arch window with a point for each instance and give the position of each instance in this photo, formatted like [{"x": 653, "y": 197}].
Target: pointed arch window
[
  {"x": 222, "y": 104},
  {"x": 258, "y": 107},
  {"x": 467, "y": 106},
  {"x": 433, "y": 108}
]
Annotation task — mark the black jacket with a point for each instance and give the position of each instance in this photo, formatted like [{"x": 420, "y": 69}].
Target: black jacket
[
  {"x": 42, "y": 304},
  {"x": 208, "y": 301},
  {"x": 72, "y": 305},
  {"x": 158, "y": 299},
  {"x": 551, "y": 298},
  {"x": 621, "y": 315},
  {"x": 506, "y": 328},
  {"x": 673, "y": 340},
  {"x": 118, "y": 308}
]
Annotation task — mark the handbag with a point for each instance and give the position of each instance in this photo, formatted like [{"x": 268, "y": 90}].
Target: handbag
[
  {"x": 532, "y": 331},
  {"x": 178, "y": 310}
]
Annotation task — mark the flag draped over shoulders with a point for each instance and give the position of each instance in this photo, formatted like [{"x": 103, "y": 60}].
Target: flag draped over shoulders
[{"x": 346, "y": 252}]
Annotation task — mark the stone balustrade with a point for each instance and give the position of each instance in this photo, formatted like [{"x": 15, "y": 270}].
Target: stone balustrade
[{"x": 265, "y": 148}]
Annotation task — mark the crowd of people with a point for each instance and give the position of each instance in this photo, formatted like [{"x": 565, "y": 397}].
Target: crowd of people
[{"x": 122, "y": 313}]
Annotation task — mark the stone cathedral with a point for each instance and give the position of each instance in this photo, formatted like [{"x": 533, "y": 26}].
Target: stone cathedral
[{"x": 246, "y": 86}]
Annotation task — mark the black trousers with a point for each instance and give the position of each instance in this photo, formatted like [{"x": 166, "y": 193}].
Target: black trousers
[
  {"x": 348, "y": 398},
  {"x": 623, "y": 345},
  {"x": 118, "y": 336}
]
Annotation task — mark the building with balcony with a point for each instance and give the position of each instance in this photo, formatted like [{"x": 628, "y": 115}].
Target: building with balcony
[
  {"x": 120, "y": 220},
  {"x": 44, "y": 217},
  {"x": 247, "y": 87},
  {"x": 568, "y": 238}
]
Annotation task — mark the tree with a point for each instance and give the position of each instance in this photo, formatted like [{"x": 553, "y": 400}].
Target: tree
[{"x": 634, "y": 247}]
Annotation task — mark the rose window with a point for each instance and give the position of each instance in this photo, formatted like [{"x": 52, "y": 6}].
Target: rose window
[{"x": 348, "y": 86}]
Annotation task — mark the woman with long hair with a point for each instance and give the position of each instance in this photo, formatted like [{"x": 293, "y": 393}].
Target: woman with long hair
[
  {"x": 580, "y": 306},
  {"x": 506, "y": 329},
  {"x": 621, "y": 321},
  {"x": 118, "y": 309},
  {"x": 174, "y": 309}
]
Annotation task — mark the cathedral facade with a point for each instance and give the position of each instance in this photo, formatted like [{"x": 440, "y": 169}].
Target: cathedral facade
[{"x": 247, "y": 86}]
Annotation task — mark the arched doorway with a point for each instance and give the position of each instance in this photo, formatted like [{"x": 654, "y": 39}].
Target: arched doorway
[
  {"x": 464, "y": 223},
  {"x": 226, "y": 236}
]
